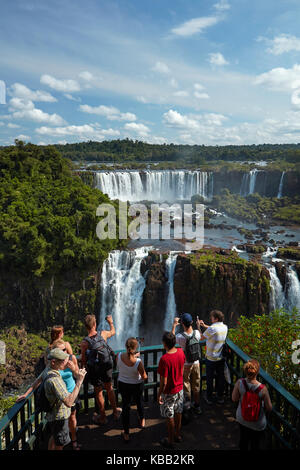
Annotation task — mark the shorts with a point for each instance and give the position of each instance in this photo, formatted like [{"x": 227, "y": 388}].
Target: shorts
[
  {"x": 60, "y": 431},
  {"x": 191, "y": 379},
  {"x": 97, "y": 377},
  {"x": 172, "y": 404}
]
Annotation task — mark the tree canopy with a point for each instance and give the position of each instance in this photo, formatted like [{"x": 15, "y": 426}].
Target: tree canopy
[{"x": 48, "y": 215}]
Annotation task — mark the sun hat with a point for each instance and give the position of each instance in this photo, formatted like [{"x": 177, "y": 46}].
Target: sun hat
[{"x": 57, "y": 353}]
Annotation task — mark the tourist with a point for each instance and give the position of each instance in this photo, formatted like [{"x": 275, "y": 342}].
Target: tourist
[
  {"x": 99, "y": 376},
  {"x": 131, "y": 383},
  {"x": 69, "y": 373},
  {"x": 253, "y": 422},
  {"x": 215, "y": 336},
  {"x": 57, "y": 332},
  {"x": 170, "y": 394},
  {"x": 191, "y": 373},
  {"x": 60, "y": 399}
]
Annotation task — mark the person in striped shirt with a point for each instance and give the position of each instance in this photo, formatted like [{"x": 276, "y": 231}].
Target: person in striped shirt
[{"x": 215, "y": 336}]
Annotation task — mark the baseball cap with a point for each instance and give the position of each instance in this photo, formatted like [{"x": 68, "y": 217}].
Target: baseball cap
[
  {"x": 186, "y": 318},
  {"x": 57, "y": 353}
]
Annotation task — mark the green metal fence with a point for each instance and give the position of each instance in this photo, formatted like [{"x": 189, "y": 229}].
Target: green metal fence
[{"x": 23, "y": 426}]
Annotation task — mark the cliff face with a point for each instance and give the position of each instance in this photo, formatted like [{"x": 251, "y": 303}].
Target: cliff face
[
  {"x": 267, "y": 182},
  {"x": 203, "y": 283},
  {"x": 42, "y": 302}
]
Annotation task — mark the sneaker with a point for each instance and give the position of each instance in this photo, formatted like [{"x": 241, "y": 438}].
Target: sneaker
[{"x": 220, "y": 401}]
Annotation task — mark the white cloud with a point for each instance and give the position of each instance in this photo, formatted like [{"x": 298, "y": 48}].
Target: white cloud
[
  {"x": 198, "y": 86},
  {"x": 215, "y": 129},
  {"x": 82, "y": 132},
  {"x": 23, "y": 137},
  {"x": 195, "y": 26},
  {"x": 161, "y": 67},
  {"x": 21, "y": 91},
  {"x": 10, "y": 125},
  {"x": 71, "y": 97},
  {"x": 173, "y": 118},
  {"x": 201, "y": 96},
  {"x": 217, "y": 58},
  {"x": 85, "y": 75},
  {"x": 24, "y": 109},
  {"x": 181, "y": 93},
  {"x": 139, "y": 129},
  {"x": 280, "y": 79},
  {"x": 222, "y": 5},
  {"x": 295, "y": 98},
  {"x": 282, "y": 44},
  {"x": 66, "y": 85},
  {"x": 110, "y": 112}
]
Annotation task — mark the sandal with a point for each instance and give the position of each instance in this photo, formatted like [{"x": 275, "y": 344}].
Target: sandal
[{"x": 75, "y": 445}]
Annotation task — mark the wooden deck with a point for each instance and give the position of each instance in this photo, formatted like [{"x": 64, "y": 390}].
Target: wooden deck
[{"x": 215, "y": 429}]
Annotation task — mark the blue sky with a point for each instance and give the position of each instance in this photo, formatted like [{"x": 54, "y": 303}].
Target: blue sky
[{"x": 212, "y": 72}]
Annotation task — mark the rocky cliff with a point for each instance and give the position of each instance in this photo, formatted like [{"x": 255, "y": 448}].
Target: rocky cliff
[
  {"x": 42, "y": 302},
  {"x": 220, "y": 280},
  {"x": 206, "y": 280}
]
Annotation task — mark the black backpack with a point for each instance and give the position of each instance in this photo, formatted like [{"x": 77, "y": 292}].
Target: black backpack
[
  {"x": 41, "y": 401},
  {"x": 99, "y": 353},
  {"x": 192, "y": 348}
]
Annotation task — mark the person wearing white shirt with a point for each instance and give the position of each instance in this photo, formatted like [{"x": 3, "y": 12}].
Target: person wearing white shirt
[{"x": 215, "y": 336}]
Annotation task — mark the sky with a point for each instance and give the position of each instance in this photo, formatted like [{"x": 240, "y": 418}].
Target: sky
[{"x": 206, "y": 72}]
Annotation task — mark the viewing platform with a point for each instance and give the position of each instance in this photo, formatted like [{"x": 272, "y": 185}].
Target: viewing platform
[{"x": 24, "y": 427}]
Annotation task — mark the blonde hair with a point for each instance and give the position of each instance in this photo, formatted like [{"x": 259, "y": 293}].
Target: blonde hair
[
  {"x": 131, "y": 346},
  {"x": 251, "y": 368},
  {"x": 57, "y": 343}
]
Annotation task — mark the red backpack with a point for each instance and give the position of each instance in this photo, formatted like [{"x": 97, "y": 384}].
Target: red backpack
[{"x": 251, "y": 402}]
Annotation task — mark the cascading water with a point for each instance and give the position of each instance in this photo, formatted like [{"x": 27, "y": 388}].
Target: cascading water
[
  {"x": 292, "y": 290},
  {"x": 288, "y": 297},
  {"x": 279, "y": 195},
  {"x": 171, "y": 303},
  {"x": 122, "y": 287},
  {"x": 248, "y": 183},
  {"x": 167, "y": 185},
  {"x": 277, "y": 297}
]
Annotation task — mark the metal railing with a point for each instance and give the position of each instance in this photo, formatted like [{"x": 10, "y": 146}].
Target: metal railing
[{"x": 23, "y": 426}]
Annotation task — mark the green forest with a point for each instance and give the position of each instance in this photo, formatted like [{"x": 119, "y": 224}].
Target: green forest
[
  {"x": 48, "y": 215},
  {"x": 129, "y": 150}
]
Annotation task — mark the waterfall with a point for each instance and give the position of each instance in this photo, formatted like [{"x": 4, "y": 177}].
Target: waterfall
[
  {"x": 171, "y": 303},
  {"x": 279, "y": 195},
  {"x": 122, "y": 287},
  {"x": 166, "y": 185},
  {"x": 292, "y": 290},
  {"x": 290, "y": 296},
  {"x": 277, "y": 294},
  {"x": 248, "y": 183}
]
